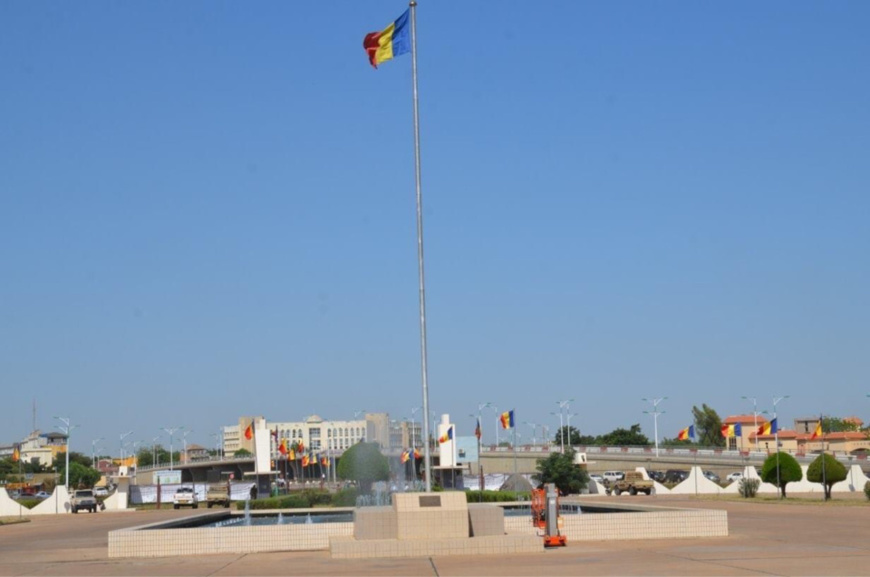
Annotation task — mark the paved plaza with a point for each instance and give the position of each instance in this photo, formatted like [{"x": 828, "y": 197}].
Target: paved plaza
[{"x": 765, "y": 539}]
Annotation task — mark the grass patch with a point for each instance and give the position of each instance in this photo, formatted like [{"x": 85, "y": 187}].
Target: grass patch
[
  {"x": 845, "y": 501},
  {"x": 13, "y": 520}
]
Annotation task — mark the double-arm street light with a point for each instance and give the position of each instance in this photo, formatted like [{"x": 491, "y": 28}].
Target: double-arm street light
[
  {"x": 534, "y": 427},
  {"x": 655, "y": 413},
  {"x": 122, "y": 436},
  {"x": 94, "y": 451},
  {"x": 564, "y": 406},
  {"x": 67, "y": 429},
  {"x": 171, "y": 432}
]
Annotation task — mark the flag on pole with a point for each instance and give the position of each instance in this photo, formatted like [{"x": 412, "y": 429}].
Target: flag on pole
[
  {"x": 768, "y": 428},
  {"x": 292, "y": 455},
  {"x": 730, "y": 431},
  {"x": 305, "y": 460},
  {"x": 417, "y": 454},
  {"x": 249, "y": 432},
  {"x": 406, "y": 455},
  {"x": 818, "y": 432},
  {"x": 324, "y": 461},
  {"x": 687, "y": 433},
  {"x": 300, "y": 446},
  {"x": 392, "y": 41},
  {"x": 507, "y": 419},
  {"x": 448, "y": 436},
  {"x": 282, "y": 448},
  {"x": 16, "y": 454},
  {"x": 478, "y": 432}
]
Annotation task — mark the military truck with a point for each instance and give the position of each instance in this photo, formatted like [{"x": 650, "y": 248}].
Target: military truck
[
  {"x": 218, "y": 494},
  {"x": 633, "y": 483}
]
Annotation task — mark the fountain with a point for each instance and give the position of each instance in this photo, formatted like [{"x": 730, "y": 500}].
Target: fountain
[
  {"x": 247, "y": 512},
  {"x": 280, "y": 518}
]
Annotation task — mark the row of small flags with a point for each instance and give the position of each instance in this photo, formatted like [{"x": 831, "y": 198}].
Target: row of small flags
[{"x": 736, "y": 430}]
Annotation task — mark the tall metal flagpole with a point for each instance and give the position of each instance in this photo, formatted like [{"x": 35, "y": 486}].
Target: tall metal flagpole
[{"x": 427, "y": 458}]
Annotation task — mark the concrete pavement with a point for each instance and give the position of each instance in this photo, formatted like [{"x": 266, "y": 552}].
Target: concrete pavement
[{"x": 765, "y": 539}]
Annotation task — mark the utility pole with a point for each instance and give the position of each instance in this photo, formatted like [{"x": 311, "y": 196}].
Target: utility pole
[
  {"x": 94, "y": 451},
  {"x": 171, "y": 432},
  {"x": 67, "y": 430}
]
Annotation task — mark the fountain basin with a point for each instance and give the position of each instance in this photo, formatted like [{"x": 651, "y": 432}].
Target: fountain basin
[{"x": 191, "y": 536}]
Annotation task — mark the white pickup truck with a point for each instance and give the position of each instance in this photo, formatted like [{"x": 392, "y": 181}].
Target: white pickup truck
[
  {"x": 84, "y": 500},
  {"x": 185, "y": 497}
]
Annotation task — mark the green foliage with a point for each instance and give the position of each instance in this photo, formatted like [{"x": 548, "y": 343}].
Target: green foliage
[
  {"x": 624, "y": 437},
  {"x": 145, "y": 457},
  {"x": 833, "y": 472},
  {"x": 317, "y": 497},
  {"x": 243, "y": 453},
  {"x": 708, "y": 426},
  {"x": 560, "y": 469},
  {"x": 748, "y": 487},
  {"x": 291, "y": 501},
  {"x": 676, "y": 443},
  {"x": 838, "y": 425},
  {"x": 79, "y": 475},
  {"x": 867, "y": 490},
  {"x": 365, "y": 464},
  {"x": 29, "y": 503},
  {"x": 789, "y": 470},
  {"x": 345, "y": 497},
  {"x": 571, "y": 434},
  {"x": 496, "y": 496}
]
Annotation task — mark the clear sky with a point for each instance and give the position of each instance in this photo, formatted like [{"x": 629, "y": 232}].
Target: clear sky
[{"x": 207, "y": 211}]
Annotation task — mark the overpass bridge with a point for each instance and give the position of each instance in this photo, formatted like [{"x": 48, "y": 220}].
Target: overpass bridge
[{"x": 524, "y": 460}]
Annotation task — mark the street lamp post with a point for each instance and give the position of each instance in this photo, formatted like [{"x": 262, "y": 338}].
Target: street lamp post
[
  {"x": 67, "y": 429},
  {"x": 122, "y": 436},
  {"x": 776, "y": 401},
  {"x": 497, "y": 423},
  {"x": 480, "y": 407},
  {"x": 534, "y": 427},
  {"x": 94, "y": 451},
  {"x": 154, "y": 448},
  {"x": 568, "y": 425},
  {"x": 655, "y": 413},
  {"x": 184, "y": 440},
  {"x": 414, "y": 426},
  {"x": 564, "y": 406},
  {"x": 561, "y": 430},
  {"x": 171, "y": 432}
]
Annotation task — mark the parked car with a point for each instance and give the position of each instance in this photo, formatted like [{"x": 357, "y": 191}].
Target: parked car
[
  {"x": 613, "y": 476},
  {"x": 597, "y": 478},
  {"x": 42, "y": 495},
  {"x": 657, "y": 476},
  {"x": 185, "y": 497},
  {"x": 101, "y": 492},
  {"x": 675, "y": 476},
  {"x": 15, "y": 494},
  {"x": 734, "y": 476},
  {"x": 84, "y": 500},
  {"x": 712, "y": 476}
]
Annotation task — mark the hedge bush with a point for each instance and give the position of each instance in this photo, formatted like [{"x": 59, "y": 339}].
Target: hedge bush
[
  {"x": 748, "y": 487},
  {"x": 345, "y": 498},
  {"x": 867, "y": 490},
  {"x": 293, "y": 501},
  {"x": 495, "y": 496},
  {"x": 789, "y": 471}
]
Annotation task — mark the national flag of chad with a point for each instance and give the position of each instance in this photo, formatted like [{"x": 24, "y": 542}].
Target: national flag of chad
[
  {"x": 818, "y": 432},
  {"x": 392, "y": 41},
  {"x": 507, "y": 420},
  {"x": 687, "y": 433},
  {"x": 249, "y": 432},
  {"x": 448, "y": 436},
  {"x": 768, "y": 428}
]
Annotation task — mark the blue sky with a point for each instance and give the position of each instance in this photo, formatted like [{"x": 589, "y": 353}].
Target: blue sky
[{"x": 207, "y": 210}]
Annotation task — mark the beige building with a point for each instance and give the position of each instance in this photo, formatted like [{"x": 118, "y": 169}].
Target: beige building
[
  {"x": 744, "y": 442},
  {"x": 315, "y": 433}
]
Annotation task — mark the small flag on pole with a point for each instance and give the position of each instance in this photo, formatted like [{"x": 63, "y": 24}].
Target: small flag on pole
[
  {"x": 477, "y": 431},
  {"x": 507, "y": 419},
  {"x": 16, "y": 454},
  {"x": 406, "y": 455},
  {"x": 448, "y": 436},
  {"x": 687, "y": 433},
  {"x": 818, "y": 432},
  {"x": 768, "y": 428},
  {"x": 731, "y": 431},
  {"x": 282, "y": 448},
  {"x": 249, "y": 432},
  {"x": 394, "y": 40}
]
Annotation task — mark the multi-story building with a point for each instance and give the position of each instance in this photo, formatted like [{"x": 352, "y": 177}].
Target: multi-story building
[
  {"x": 405, "y": 434},
  {"x": 315, "y": 433}
]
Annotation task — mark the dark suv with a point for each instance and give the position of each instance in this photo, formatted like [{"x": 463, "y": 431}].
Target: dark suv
[{"x": 675, "y": 476}]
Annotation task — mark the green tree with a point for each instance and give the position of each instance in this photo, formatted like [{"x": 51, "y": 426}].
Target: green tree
[
  {"x": 74, "y": 457},
  {"x": 676, "y": 442},
  {"x": 571, "y": 434},
  {"x": 789, "y": 471},
  {"x": 832, "y": 472},
  {"x": 708, "y": 426},
  {"x": 365, "y": 464},
  {"x": 243, "y": 453},
  {"x": 145, "y": 457},
  {"x": 79, "y": 475},
  {"x": 559, "y": 468},
  {"x": 624, "y": 437},
  {"x": 838, "y": 425}
]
